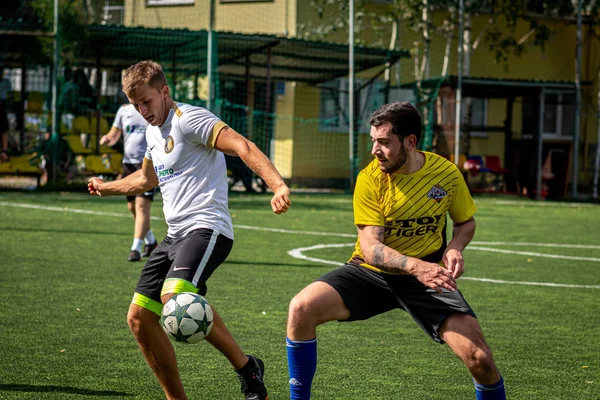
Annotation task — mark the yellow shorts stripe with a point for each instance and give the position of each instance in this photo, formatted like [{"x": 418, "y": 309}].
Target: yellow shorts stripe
[
  {"x": 147, "y": 303},
  {"x": 177, "y": 285}
]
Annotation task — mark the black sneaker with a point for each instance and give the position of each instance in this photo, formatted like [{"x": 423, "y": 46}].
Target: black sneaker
[
  {"x": 148, "y": 249},
  {"x": 134, "y": 255},
  {"x": 253, "y": 386}
]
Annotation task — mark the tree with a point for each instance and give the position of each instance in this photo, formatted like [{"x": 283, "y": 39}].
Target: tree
[{"x": 416, "y": 15}]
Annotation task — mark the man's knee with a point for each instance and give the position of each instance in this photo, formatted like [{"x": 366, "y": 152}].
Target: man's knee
[
  {"x": 142, "y": 311},
  {"x": 480, "y": 360},
  {"x": 142, "y": 205},
  {"x": 300, "y": 308}
]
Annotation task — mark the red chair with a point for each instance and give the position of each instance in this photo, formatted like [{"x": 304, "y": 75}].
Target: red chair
[
  {"x": 493, "y": 163},
  {"x": 495, "y": 167}
]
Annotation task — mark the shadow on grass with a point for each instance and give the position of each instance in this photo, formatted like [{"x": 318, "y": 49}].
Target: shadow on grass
[{"x": 17, "y": 387}]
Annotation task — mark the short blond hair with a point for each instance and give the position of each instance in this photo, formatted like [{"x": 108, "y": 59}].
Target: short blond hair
[{"x": 144, "y": 72}]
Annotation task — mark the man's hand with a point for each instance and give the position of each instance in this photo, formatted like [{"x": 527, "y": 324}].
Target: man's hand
[
  {"x": 281, "y": 200},
  {"x": 454, "y": 262},
  {"x": 94, "y": 186},
  {"x": 104, "y": 139},
  {"x": 433, "y": 276}
]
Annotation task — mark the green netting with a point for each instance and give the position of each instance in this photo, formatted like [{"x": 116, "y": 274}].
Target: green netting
[{"x": 287, "y": 94}]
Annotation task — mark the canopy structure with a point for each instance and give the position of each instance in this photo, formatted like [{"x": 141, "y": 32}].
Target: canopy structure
[
  {"x": 510, "y": 89},
  {"x": 490, "y": 88},
  {"x": 256, "y": 56}
]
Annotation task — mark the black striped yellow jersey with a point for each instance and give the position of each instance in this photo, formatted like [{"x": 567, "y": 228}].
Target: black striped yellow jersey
[{"x": 412, "y": 208}]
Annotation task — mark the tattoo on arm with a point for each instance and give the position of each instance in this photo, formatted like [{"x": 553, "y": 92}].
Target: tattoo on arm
[
  {"x": 378, "y": 257},
  {"x": 394, "y": 263}
]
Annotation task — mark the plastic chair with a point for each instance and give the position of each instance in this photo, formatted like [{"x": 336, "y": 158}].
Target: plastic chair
[
  {"x": 81, "y": 124},
  {"x": 493, "y": 163},
  {"x": 479, "y": 161}
]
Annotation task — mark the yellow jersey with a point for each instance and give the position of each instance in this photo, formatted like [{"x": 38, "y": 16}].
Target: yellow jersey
[{"x": 412, "y": 208}]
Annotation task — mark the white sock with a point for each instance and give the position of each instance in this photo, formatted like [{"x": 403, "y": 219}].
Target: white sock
[
  {"x": 137, "y": 245},
  {"x": 150, "y": 239}
]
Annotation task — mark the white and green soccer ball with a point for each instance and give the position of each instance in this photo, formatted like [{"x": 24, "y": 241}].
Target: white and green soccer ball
[{"x": 187, "y": 317}]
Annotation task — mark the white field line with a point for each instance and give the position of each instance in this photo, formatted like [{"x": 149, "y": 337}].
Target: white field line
[
  {"x": 529, "y": 253},
  {"x": 535, "y": 204},
  {"x": 298, "y": 253},
  {"x": 70, "y": 210}
]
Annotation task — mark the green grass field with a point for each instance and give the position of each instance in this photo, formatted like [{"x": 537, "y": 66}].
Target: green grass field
[{"x": 65, "y": 287}]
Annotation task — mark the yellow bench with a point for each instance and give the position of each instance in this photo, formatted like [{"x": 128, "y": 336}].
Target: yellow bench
[{"x": 22, "y": 166}]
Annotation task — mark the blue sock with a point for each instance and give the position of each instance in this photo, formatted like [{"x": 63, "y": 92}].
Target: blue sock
[
  {"x": 494, "y": 391},
  {"x": 302, "y": 365}
]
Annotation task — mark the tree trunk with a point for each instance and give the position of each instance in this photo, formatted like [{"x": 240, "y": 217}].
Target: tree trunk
[
  {"x": 388, "y": 66},
  {"x": 426, "y": 21},
  {"x": 467, "y": 101}
]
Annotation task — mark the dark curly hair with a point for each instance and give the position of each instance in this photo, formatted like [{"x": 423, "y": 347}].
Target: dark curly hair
[{"x": 403, "y": 116}]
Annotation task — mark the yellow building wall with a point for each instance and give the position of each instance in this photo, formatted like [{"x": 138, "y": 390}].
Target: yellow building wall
[
  {"x": 283, "y": 136},
  {"x": 277, "y": 17}
]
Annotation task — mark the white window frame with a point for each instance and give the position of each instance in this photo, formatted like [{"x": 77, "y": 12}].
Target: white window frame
[
  {"x": 108, "y": 8},
  {"x": 160, "y": 3},
  {"x": 557, "y": 133},
  {"x": 480, "y": 134},
  {"x": 342, "y": 88}
]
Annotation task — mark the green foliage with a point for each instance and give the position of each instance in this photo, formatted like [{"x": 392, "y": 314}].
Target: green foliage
[
  {"x": 499, "y": 36},
  {"x": 73, "y": 16}
]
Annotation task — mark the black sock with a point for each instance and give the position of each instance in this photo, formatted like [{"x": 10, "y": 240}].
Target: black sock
[{"x": 245, "y": 368}]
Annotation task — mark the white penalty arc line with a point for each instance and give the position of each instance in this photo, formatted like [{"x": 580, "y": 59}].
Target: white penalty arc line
[{"x": 299, "y": 253}]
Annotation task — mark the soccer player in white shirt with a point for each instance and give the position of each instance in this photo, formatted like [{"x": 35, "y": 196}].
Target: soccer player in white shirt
[
  {"x": 129, "y": 123},
  {"x": 185, "y": 158}
]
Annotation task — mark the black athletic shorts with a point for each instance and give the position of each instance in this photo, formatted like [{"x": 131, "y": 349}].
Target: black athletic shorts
[
  {"x": 192, "y": 258},
  {"x": 367, "y": 293},
  {"x": 129, "y": 169},
  {"x": 3, "y": 117}
]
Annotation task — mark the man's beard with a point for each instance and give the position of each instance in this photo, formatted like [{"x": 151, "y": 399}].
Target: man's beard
[{"x": 400, "y": 162}]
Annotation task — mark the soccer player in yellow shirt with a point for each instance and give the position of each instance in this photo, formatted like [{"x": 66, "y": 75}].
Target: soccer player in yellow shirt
[{"x": 401, "y": 258}]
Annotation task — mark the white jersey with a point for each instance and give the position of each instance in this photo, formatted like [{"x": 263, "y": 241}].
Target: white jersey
[
  {"x": 191, "y": 173},
  {"x": 133, "y": 126}
]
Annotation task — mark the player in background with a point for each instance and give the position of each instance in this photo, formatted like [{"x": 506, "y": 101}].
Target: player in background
[
  {"x": 132, "y": 126},
  {"x": 185, "y": 158},
  {"x": 5, "y": 100},
  {"x": 401, "y": 259}
]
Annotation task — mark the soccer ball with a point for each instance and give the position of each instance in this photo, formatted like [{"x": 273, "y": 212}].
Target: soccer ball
[{"x": 187, "y": 317}]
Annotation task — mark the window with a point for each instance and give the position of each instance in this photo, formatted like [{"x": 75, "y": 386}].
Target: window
[
  {"x": 558, "y": 114},
  {"x": 113, "y": 12},
  {"x": 170, "y": 2},
  {"x": 478, "y": 117},
  {"x": 246, "y": 1},
  {"x": 559, "y": 110},
  {"x": 334, "y": 104}
]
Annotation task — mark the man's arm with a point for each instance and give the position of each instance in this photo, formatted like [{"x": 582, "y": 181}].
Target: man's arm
[
  {"x": 462, "y": 234},
  {"x": 232, "y": 143},
  {"x": 111, "y": 137},
  {"x": 389, "y": 260},
  {"x": 139, "y": 182}
]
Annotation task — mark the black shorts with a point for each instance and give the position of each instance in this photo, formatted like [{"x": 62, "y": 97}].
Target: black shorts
[
  {"x": 192, "y": 258},
  {"x": 4, "y": 127},
  {"x": 129, "y": 169},
  {"x": 367, "y": 293}
]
